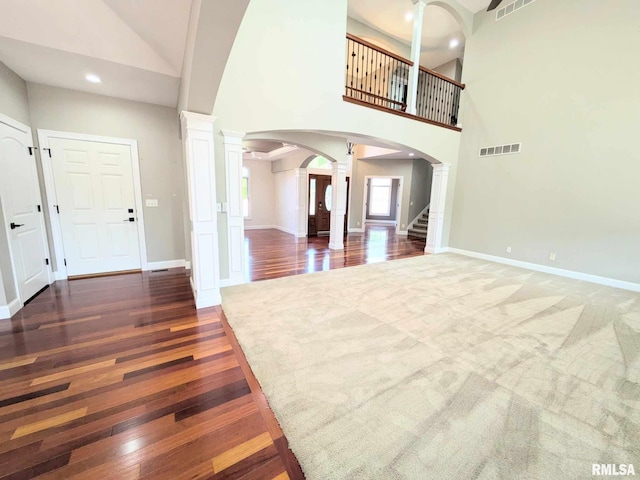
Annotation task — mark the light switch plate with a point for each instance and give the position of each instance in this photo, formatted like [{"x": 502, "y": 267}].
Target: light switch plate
[{"x": 151, "y": 202}]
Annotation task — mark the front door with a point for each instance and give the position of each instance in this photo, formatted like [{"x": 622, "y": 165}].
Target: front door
[
  {"x": 319, "y": 204},
  {"x": 22, "y": 206},
  {"x": 96, "y": 201}
]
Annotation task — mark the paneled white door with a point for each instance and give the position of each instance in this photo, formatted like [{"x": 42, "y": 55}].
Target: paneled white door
[
  {"x": 96, "y": 203},
  {"x": 21, "y": 202}
]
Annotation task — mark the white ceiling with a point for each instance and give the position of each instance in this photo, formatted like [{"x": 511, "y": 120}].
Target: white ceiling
[
  {"x": 439, "y": 26},
  {"x": 135, "y": 46}
]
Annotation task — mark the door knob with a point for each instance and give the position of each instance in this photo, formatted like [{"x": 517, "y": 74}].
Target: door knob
[
  {"x": 130, "y": 219},
  {"x": 16, "y": 225}
]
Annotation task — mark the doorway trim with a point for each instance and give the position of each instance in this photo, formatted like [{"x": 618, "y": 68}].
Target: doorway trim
[
  {"x": 398, "y": 199},
  {"x": 47, "y": 169},
  {"x": 15, "y": 305}
]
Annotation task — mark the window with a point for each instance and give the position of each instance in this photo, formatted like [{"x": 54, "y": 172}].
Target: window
[
  {"x": 380, "y": 197},
  {"x": 312, "y": 197},
  {"x": 320, "y": 162},
  {"x": 245, "y": 193}
]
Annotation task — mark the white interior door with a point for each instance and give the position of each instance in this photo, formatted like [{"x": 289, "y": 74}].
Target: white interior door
[
  {"x": 97, "y": 209},
  {"x": 21, "y": 202}
]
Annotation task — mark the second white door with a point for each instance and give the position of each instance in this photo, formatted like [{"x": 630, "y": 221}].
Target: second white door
[{"x": 96, "y": 202}]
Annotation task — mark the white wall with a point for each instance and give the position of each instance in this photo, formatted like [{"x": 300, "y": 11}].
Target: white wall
[
  {"x": 285, "y": 200},
  {"x": 261, "y": 194},
  {"x": 156, "y": 130},
  {"x": 553, "y": 75},
  {"x": 372, "y": 35}
]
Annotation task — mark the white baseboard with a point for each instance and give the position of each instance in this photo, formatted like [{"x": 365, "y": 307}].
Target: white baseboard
[
  {"x": 259, "y": 227},
  {"x": 355, "y": 230},
  {"x": 285, "y": 230},
  {"x": 187, "y": 265},
  {"x": 8, "y": 311},
  {"x": 380, "y": 222},
  {"x": 403, "y": 232},
  {"x": 59, "y": 276},
  {"x": 609, "y": 282},
  {"x": 166, "y": 264},
  {"x": 210, "y": 298}
]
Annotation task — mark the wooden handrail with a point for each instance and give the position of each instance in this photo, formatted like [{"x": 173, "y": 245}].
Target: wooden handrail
[
  {"x": 379, "y": 49},
  {"x": 443, "y": 77},
  {"x": 404, "y": 60},
  {"x": 384, "y": 99}
]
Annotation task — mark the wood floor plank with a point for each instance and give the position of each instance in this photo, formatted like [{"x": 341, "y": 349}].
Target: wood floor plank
[{"x": 120, "y": 377}]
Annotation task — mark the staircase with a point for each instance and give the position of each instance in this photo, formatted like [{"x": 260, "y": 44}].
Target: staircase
[{"x": 419, "y": 227}]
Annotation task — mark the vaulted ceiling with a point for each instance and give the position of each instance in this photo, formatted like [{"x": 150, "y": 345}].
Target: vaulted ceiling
[
  {"x": 439, "y": 27},
  {"x": 135, "y": 46}
]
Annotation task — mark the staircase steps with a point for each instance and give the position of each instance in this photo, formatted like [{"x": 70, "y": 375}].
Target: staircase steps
[{"x": 419, "y": 227}]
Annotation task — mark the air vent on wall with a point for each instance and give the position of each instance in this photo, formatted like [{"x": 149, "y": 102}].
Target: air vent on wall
[
  {"x": 512, "y": 7},
  {"x": 501, "y": 150}
]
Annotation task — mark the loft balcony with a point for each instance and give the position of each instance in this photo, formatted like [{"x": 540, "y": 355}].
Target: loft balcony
[{"x": 379, "y": 79}]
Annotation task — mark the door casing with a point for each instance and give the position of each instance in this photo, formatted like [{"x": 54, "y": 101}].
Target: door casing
[{"x": 47, "y": 169}]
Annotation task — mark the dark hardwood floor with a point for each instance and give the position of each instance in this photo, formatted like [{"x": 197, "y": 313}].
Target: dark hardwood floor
[
  {"x": 120, "y": 377},
  {"x": 272, "y": 253}
]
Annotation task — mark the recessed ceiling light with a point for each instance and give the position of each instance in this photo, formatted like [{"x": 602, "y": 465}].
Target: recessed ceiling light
[
  {"x": 411, "y": 154},
  {"x": 454, "y": 43},
  {"x": 93, "y": 78},
  {"x": 408, "y": 16}
]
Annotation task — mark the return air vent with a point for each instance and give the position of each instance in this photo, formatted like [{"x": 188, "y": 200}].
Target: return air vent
[
  {"x": 501, "y": 150},
  {"x": 512, "y": 7}
]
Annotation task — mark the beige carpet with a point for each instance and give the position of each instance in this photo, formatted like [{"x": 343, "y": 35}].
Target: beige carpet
[{"x": 445, "y": 367}]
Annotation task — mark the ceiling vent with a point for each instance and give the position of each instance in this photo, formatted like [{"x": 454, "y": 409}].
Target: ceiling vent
[
  {"x": 501, "y": 150},
  {"x": 512, "y": 7}
]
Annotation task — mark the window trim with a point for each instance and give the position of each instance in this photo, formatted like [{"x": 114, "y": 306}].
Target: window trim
[{"x": 249, "y": 189}]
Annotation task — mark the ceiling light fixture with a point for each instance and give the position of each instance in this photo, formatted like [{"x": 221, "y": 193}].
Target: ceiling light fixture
[
  {"x": 454, "y": 43},
  {"x": 93, "y": 78},
  {"x": 411, "y": 154},
  {"x": 408, "y": 16}
]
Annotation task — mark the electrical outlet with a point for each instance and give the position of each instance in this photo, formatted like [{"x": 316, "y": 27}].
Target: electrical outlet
[
  {"x": 552, "y": 256},
  {"x": 508, "y": 249},
  {"x": 403, "y": 225},
  {"x": 151, "y": 202}
]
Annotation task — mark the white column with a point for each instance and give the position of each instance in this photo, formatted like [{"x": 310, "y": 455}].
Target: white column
[
  {"x": 436, "y": 210},
  {"x": 416, "y": 43},
  {"x": 301, "y": 202},
  {"x": 338, "y": 203},
  {"x": 234, "y": 211},
  {"x": 197, "y": 140}
]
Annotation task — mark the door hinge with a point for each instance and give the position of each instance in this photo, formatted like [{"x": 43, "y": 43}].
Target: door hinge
[
  {"x": 57, "y": 208},
  {"x": 65, "y": 262},
  {"x": 46, "y": 261},
  {"x": 39, "y": 208},
  {"x": 48, "y": 151},
  {"x": 31, "y": 149}
]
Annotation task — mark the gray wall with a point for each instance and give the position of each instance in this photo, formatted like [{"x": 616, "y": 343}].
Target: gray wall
[
  {"x": 14, "y": 104},
  {"x": 161, "y": 164},
  {"x": 381, "y": 168},
  {"x": 551, "y": 76},
  {"x": 451, "y": 69},
  {"x": 421, "y": 179}
]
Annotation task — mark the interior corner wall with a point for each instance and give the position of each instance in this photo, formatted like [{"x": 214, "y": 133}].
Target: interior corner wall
[
  {"x": 285, "y": 201},
  {"x": 161, "y": 163},
  {"x": 261, "y": 194},
  {"x": 13, "y": 103},
  {"x": 381, "y": 168},
  {"x": 420, "y": 196},
  {"x": 575, "y": 106}
]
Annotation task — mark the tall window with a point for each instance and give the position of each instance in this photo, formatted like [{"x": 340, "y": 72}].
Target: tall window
[
  {"x": 380, "y": 197},
  {"x": 245, "y": 193}
]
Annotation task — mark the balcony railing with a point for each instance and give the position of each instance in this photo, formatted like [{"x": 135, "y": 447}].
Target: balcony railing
[{"x": 380, "y": 79}]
